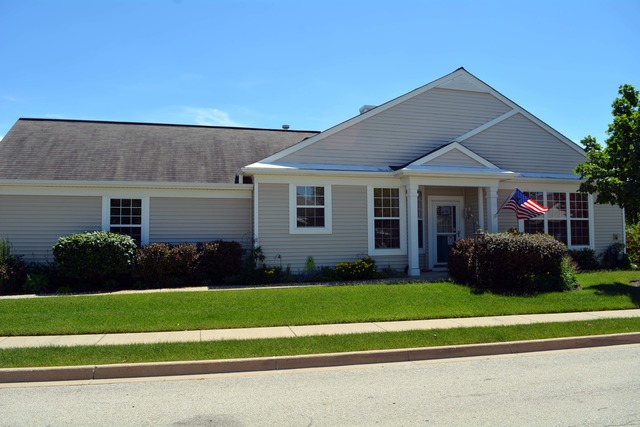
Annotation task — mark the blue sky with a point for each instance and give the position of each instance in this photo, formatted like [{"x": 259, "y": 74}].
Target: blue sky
[{"x": 309, "y": 64}]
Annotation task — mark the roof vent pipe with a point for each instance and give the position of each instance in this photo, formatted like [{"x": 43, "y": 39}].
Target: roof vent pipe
[
  {"x": 366, "y": 108},
  {"x": 285, "y": 127}
]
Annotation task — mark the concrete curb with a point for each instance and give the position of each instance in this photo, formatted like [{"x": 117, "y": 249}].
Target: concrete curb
[{"x": 139, "y": 370}]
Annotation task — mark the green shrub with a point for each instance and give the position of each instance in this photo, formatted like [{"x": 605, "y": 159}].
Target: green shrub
[
  {"x": 5, "y": 249},
  {"x": 91, "y": 259},
  {"x": 219, "y": 259},
  {"x": 462, "y": 258},
  {"x": 41, "y": 278},
  {"x": 262, "y": 275},
  {"x": 585, "y": 259},
  {"x": 13, "y": 274},
  {"x": 633, "y": 242},
  {"x": 13, "y": 270},
  {"x": 510, "y": 263},
  {"x": 362, "y": 269},
  {"x": 568, "y": 279},
  {"x": 615, "y": 258},
  {"x": 163, "y": 264}
]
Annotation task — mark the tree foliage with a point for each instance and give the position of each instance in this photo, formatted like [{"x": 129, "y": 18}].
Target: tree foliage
[{"x": 614, "y": 172}]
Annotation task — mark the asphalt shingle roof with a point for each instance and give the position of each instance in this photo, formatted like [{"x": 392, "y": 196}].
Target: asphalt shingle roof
[{"x": 43, "y": 149}]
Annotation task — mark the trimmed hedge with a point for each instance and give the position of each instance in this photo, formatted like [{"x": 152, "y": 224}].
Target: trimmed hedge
[
  {"x": 91, "y": 259},
  {"x": 633, "y": 242},
  {"x": 218, "y": 260},
  {"x": 13, "y": 274},
  {"x": 163, "y": 264},
  {"x": 511, "y": 263}
]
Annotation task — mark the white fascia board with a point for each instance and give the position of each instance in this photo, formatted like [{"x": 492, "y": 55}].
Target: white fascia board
[
  {"x": 542, "y": 175},
  {"x": 541, "y": 184},
  {"x": 124, "y": 184},
  {"x": 434, "y": 84},
  {"x": 487, "y": 125},
  {"x": 454, "y": 171},
  {"x": 455, "y": 145},
  {"x": 157, "y": 189},
  {"x": 528, "y": 115},
  {"x": 314, "y": 169},
  {"x": 357, "y": 119}
]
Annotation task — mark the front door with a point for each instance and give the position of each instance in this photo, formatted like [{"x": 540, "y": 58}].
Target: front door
[{"x": 446, "y": 229}]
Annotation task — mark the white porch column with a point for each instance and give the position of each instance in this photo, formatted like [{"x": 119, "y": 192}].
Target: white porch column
[
  {"x": 412, "y": 230},
  {"x": 492, "y": 208},
  {"x": 480, "y": 210}
]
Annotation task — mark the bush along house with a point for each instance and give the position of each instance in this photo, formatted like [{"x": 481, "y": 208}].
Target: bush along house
[{"x": 399, "y": 182}]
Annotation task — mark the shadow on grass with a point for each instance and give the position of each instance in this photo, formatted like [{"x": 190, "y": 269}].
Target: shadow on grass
[{"x": 619, "y": 289}]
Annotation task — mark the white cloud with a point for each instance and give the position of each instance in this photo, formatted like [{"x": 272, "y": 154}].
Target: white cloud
[{"x": 211, "y": 117}]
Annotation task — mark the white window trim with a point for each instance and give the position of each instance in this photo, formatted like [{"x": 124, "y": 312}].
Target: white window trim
[
  {"x": 293, "y": 214},
  {"x": 106, "y": 214},
  {"x": 544, "y": 219},
  {"x": 402, "y": 250},
  {"x": 423, "y": 250}
]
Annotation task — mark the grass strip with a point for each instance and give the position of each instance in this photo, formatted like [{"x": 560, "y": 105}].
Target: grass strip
[
  {"x": 299, "y": 306},
  {"x": 217, "y": 350}
]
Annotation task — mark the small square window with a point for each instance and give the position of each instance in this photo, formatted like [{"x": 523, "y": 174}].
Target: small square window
[{"x": 310, "y": 209}]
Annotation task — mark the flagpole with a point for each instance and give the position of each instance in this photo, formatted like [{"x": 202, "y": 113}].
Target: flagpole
[{"x": 505, "y": 202}]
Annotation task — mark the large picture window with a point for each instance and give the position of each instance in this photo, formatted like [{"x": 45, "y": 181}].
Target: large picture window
[
  {"x": 567, "y": 220},
  {"x": 310, "y": 209}
]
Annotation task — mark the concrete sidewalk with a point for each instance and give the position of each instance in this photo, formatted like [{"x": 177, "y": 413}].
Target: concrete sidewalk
[
  {"x": 300, "y": 331},
  {"x": 90, "y": 373}
]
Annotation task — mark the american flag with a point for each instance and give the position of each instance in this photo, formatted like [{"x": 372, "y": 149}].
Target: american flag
[{"x": 523, "y": 206}]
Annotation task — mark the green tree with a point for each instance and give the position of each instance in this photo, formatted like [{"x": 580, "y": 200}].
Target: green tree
[{"x": 614, "y": 172}]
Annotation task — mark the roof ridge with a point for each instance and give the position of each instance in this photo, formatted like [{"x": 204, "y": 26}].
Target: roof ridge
[{"x": 37, "y": 119}]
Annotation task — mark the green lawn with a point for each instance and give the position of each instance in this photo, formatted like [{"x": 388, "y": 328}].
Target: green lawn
[
  {"x": 299, "y": 305},
  {"x": 98, "y": 355}
]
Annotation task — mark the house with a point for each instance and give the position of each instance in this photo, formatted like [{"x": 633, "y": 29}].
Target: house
[{"x": 399, "y": 182}]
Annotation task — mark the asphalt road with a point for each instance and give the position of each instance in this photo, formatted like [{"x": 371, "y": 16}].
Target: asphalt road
[{"x": 589, "y": 387}]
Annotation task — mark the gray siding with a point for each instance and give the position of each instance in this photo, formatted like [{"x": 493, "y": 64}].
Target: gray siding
[
  {"x": 405, "y": 132},
  {"x": 455, "y": 158},
  {"x": 608, "y": 224},
  {"x": 348, "y": 241},
  {"x": 506, "y": 218},
  {"x": 33, "y": 224},
  {"x": 471, "y": 220},
  {"x": 517, "y": 144},
  {"x": 178, "y": 220}
]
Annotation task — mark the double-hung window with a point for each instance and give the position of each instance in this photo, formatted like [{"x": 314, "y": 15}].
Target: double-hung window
[
  {"x": 125, "y": 217},
  {"x": 310, "y": 209},
  {"x": 386, "y": 217},
  {"x": 567, "y": 220},
  {"x": 387, "y": 222}
]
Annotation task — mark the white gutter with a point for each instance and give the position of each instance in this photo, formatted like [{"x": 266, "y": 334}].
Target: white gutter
[{"x": 124, "y": 184}]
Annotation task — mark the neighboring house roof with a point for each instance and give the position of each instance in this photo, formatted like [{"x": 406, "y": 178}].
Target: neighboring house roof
[{"x": 77, "y": 150}]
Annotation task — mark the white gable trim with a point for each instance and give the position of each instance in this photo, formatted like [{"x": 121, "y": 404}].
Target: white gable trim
[
  {"x": 454, "y": 146},
  {"x": 447, "y": 82},
  {"x": 526, "y": 114},
  {"x": 486, "y": 126},
  {"x": 357, "y": 119}
]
